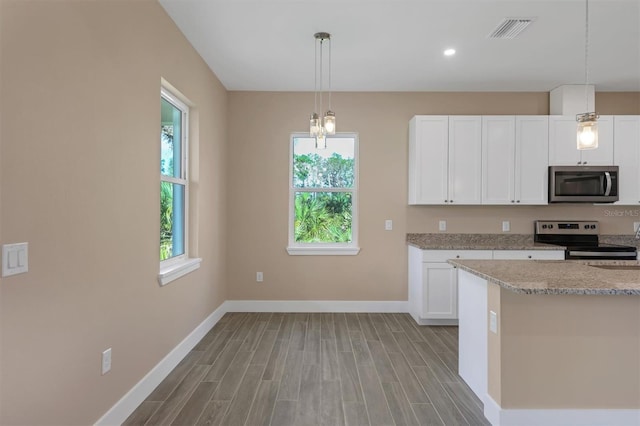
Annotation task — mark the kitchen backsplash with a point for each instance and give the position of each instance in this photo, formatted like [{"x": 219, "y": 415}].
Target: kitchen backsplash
[{"x": 614, "y": 220}]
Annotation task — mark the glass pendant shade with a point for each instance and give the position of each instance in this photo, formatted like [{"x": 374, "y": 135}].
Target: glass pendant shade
[
  {"x": 321, "y": 142},
  {"x": 330, "y": 123},
  {"x": 587, "y": 135},
  {"x": 314, "y": 125}
]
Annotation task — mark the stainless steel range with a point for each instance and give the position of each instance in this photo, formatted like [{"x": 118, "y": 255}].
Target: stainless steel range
[{"x": 581, "y": 240}]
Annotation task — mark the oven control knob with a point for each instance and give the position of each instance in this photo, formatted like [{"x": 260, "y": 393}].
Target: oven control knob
[
  {"x": 593, "y": 227},
  {"x": 550, "y": 226},
  {"x": 544, "y": 226},
  {"x": 586, "y": 227}
]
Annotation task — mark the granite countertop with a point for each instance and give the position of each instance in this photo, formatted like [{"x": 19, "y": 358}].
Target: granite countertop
[
  {"x": 445, "y": 241},
  {"x": 556, "y": 276}
]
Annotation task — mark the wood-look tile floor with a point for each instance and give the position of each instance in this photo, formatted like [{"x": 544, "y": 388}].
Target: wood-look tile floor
[{"x": 316, "y": 369}]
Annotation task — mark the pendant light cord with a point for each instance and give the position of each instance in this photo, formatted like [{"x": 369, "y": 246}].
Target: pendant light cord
[
  {"x": 315, "y": 78},
  {"x": 586, "y": 54},
  {"x": 321, "y": 77},
  {"x": 329, "y": 74}
]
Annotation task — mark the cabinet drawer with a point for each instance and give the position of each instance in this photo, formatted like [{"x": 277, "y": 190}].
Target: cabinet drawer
[
  {"x": 444, "y": 255},
  {"x": 528, "y": 254}
]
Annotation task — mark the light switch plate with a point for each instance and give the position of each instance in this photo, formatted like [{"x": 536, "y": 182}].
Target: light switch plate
[
  {"x": 493, "y": 322},
  {"x": 15, "y": 259}
]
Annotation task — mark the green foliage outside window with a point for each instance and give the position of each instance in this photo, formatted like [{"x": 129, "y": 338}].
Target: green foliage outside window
[
  {"x": 166, "y": 193},
  {"x": 323, "y": 217}
]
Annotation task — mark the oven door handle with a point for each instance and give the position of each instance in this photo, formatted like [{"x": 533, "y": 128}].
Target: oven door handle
[{"x": 607, "y": 189}]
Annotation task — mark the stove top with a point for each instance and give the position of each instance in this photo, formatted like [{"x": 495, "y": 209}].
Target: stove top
[{"x": 581, "y": 240}]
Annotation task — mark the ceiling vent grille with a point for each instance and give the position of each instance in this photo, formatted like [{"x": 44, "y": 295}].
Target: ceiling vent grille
[{"x": 510, "y": 27}]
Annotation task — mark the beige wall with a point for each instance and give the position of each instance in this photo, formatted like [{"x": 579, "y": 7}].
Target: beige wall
[
  {"x": 260, "y": 125},
  {"x": 79, "y": 173}
]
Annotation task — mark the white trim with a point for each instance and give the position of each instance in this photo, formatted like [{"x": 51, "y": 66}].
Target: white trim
[
  {"x": 132, "y": 399},
  {"x": 176, "y": 270},
  {"x": 498, "y": 416},
  {"x": 322, "y": 251},
  {"x": 374, "y": 306}
]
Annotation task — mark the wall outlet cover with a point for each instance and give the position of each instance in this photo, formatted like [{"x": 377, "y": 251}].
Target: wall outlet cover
[
  {"x": 493, "y": 322},
  {"x": 106, "y": 361},
  {"x": 506, "y": 226},
  {"x": 259, "y": 277},
  {"x": 388, "y": 225},
  {"x": 442, "y": 225}
]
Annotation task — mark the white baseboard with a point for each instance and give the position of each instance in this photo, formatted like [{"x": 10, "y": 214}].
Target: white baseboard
[
  {"x": 129, "y": 402},
  {"x": 498, "y": 416},
  {"x": 316, "y": 306}
]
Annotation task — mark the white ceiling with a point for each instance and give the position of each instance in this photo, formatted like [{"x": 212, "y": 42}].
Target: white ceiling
[{"x": 397, "y": 45}]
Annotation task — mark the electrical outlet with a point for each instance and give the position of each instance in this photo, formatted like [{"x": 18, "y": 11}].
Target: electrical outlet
[
  {"x": 388, "y": 225},
  {"x": 442, "y": 225},
  {"x": 259, "y": 277},
  {"x": 506, "y": 226},
  {"x": 106, "y": 361},
  {"x": 493, "y": 322}
]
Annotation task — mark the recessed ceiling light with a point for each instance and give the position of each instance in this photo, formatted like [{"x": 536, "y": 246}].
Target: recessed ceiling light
[{"x": 449, "y": 52}]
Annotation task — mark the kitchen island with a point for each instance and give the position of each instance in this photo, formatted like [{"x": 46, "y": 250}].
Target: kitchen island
[{"x": 551, "y": 342}]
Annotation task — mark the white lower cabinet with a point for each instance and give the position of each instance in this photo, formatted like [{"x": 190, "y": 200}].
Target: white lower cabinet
[
  {"x": 433, "y": 290},
  {"x": 433, "y": 283}
]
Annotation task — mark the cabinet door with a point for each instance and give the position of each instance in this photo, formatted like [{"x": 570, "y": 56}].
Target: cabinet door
[
  {"x": 562, "y": 141},
  {"x": 465, "y": 159},
  {"x": 627, "y": 156},
  {"x": 498, "y": 155},
  {"x": 428, "y": 159},
  {"x": 531, "y": 159},
  {"x": 440, "y": 291}
]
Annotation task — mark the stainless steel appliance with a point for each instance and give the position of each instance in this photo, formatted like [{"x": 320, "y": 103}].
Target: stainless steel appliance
[
  {"x": 580, "y": 239},
  {"x": 583, "y": 184}
]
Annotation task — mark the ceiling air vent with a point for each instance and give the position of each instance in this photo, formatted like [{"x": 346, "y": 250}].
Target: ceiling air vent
[{"x": 510, "y": 27}]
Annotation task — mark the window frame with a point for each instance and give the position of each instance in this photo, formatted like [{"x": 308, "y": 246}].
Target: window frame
[
  {"x": 325, "y": 249},
  {"x": 177, "y": 266}
]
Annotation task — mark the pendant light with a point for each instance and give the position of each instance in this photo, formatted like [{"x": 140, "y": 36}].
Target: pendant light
[
  {"x": 319, "y": 128},
  {"x": 587, "y": 134}
]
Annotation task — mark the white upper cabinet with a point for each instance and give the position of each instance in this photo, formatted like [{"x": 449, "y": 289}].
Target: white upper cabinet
[
  {"x": 562, "y": 143},
  {"x": 514, "y": 159},
  {"x": 428, "y": 159},
  {"x": 465, "y": 154},
  {"x": 532, "y": 159},
  {"x": 627, "y": 157},
  {"x": 444, "y": 159}
]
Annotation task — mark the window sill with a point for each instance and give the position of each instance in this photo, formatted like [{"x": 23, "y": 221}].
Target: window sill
[
  {"x": 177, "y": 270},
  {"x": 323, "y": 251}
]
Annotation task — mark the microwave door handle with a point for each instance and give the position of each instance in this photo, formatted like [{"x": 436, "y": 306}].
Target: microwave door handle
[{"x": 607, "y": 190}]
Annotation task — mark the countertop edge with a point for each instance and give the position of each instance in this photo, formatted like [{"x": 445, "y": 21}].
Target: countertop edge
[{"x": 547, "y": 291}]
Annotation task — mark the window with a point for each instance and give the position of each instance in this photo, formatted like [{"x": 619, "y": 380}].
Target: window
[
  {"x": 323, "y": 196},
  {"x": 174, "y": 189}
]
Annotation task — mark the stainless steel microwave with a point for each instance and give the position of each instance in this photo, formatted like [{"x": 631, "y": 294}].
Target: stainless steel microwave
[{"x": 583, "y": 184}]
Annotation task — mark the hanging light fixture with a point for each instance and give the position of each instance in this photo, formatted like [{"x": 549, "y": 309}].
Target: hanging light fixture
[
  {"x": 587, "y": 135},
  {"x": 319, "y": 128}
]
